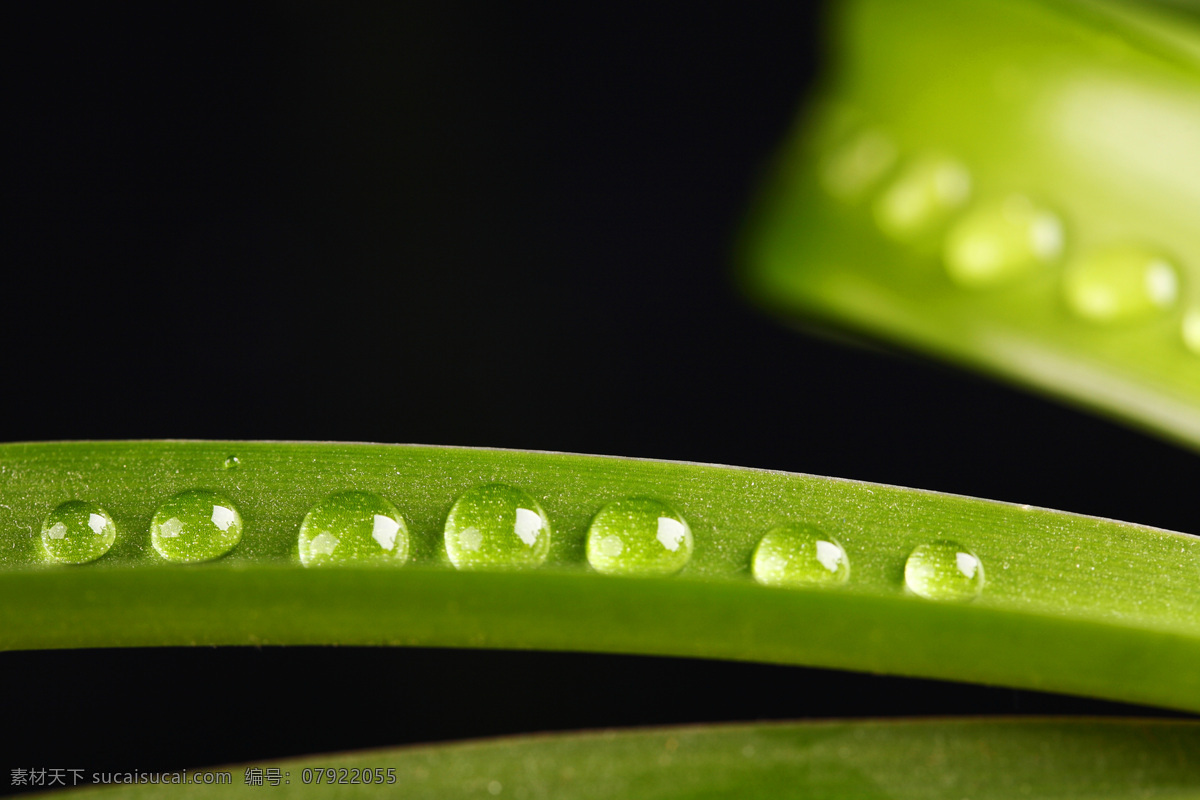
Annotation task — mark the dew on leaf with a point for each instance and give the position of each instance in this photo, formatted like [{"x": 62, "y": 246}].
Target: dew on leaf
[
  {"x": 638, "y": 536},
  {"x": 77, "y": 532},
  {"x": 357, "y": 527},
  {"x": 497, "y": 526},
  {"x": 196, "y": 525}
]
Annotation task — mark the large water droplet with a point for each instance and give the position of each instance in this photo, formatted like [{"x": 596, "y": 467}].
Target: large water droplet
[
  {"x": 944, "y": 571},
  {"x": 77, "y": 532},
  {"x": 923, "y": 197},
  {"x": 1001, "y": 241},
  {"x": 233, "y": 462},
  {"x": 799, "y": 555},
  {"x": 852, "y": 169},
  {"x": 357, "y": 527},
  {"x": 1120, "y": 284},
  {"x": 638, "y": 536},
  {"x": 497, "y": 526},
  {"x": 195, "y": 525}
]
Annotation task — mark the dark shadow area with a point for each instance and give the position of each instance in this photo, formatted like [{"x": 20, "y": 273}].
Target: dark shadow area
[{"x": 207, "y": 706}]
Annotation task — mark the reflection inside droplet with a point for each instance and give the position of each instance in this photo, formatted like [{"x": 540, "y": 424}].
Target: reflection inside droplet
[
  {"x": 670, "y": 533},
  {"x": 384, "y": 531},
  {"x": 527, "y": 526},
  {"x": 470, "y": 539},
  {"x": 323, "y": 544},
  {"x": 223, "y": 517}
]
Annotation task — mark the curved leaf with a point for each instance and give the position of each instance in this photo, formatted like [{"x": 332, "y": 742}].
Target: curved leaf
[
  {"x": 1068, "y": 603},
  {"x": 1009, "y": 185},
  {"x": 979, "y": 759}
]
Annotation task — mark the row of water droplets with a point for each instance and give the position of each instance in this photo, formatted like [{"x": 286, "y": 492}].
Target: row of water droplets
[
  {"x": 497, "y": 526},
  {"x": 195, "y": 525},
  {"x": 1001, "y": 239}
]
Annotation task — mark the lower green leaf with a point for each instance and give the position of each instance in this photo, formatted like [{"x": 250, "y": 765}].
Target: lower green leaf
[{"x": 977, "y": 759}]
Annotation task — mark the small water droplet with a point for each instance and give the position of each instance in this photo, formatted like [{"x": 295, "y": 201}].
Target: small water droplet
[
  {"x": 357, "y": 527},
  {"x": 497, "y": 526},
  {"x": 77, "y": 532},
  {"x": 638, "y": 536},
  {"x": 799, "y": 555},
  {"x": 195, "y": 525},
  {"x": 1120, "y": 284},
  {"x": 852, "y": 169},
  {"x": 944, "y": 570},
  {"x": 232, "y": 462},
  {"x": 1190, "y": 330},
  {"x": 495, "y": 788},
  {"x": 923, "y": 197},
  {"x": 1001, "y": 241}
]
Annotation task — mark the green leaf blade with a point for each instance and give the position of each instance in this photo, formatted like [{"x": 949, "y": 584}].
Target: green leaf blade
[
  {"x": 1082, "y": 110},
  {"x": 980, "y": 759},
  {"x": 1069, "y": 603}
]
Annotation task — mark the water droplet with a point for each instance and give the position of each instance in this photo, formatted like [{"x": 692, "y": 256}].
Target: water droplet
[
  {"x": 923, "y": 198},
  {"x": 497, "y": 526},
  {"x": 638, "y": 536},
  {"x": 195, "y": 525},
  {"x": 1191, "y": 330},
  {"x": 999, "y": 242},
  {"x": 799, "y": 555},
  {"x": 232, "y": 462},
  {"x": 851, "y": 170},
  {"x": 357, "y": 527},
  {"x": 77, "y": 532},
  {"x": 944, "y": 571},
  {"x": 1120, "y": 284}
]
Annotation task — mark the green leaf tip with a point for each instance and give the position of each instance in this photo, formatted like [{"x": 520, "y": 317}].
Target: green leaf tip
[{"x": 1009, "y": 185}]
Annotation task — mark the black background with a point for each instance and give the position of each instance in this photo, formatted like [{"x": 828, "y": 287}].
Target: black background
[{"x": 468, "y": 224}]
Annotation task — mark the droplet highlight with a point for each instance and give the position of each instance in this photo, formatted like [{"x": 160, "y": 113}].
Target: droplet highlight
[
  {"x": 77, "y": 532},
  {"x": 944, "y": 570},
  {"x": 638, "y": 536},
  {"x": 923, "y": 198},
  {"x": 1190, "y": 330},
  {"x": 855, "y": 167},
  {"x": 353, "y": 527},
  {"x": 1120, "y": 284},
  {"x": 1003, "y": 241},
  {"x": 195, "y": 525},
  {"x": 497, "y": 526},
  {"x": 799, "y": 555}
]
